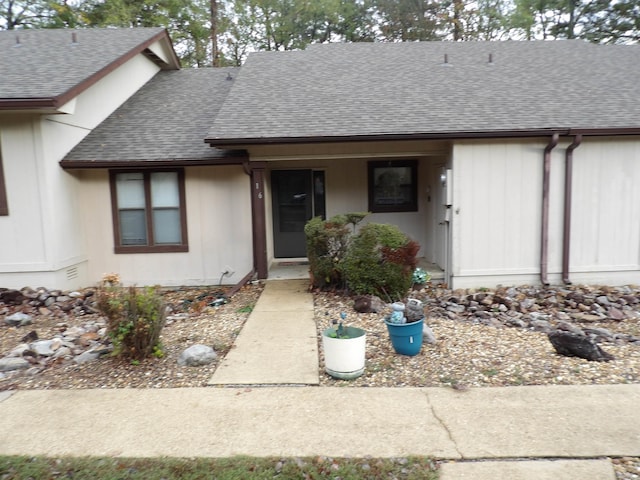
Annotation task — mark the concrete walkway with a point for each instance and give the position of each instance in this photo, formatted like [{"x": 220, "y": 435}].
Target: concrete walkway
[
  {"x": 590, "y": 422},
  {"x": 278, "y": 343},
  {"x": 511, "y": 433}
]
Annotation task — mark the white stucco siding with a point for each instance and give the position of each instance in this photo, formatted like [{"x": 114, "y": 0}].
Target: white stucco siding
[
  {"x": 219, "y": 229},
  {"x": 606, "y": 207}
]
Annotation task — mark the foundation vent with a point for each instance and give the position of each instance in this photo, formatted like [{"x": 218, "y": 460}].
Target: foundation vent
[{"x": 72, "y": 273}]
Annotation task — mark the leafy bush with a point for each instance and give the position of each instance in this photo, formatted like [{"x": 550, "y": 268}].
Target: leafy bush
[
  {"x": 327, "y": 243},
  {"x": 379, "y": 259},
  {"x": 135, "y": 318}
]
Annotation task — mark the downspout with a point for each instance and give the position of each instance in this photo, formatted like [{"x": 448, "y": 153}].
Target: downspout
[
  {"x": 568, "y": 187},
  {"x": 544, "y": 230}
]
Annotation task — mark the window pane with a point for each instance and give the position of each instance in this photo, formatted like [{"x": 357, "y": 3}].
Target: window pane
[
  {"x": 130, "y": 188},
  {"x": 166, "y": 226},
  {"x": 133, "y": 230},
  {"x": 164, "y": 189},
  {"x": 393, "y": 186}
]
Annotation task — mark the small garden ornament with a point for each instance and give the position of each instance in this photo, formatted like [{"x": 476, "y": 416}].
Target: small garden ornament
[{"x": 420, "y": 277}]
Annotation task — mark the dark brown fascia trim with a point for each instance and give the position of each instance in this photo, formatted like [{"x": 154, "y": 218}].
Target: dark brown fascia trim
[
  {"x": 82, "y": 86},
  {"x": 138, "y": 164},
  {"x": 56, "y": 102},
  {"x": 27, "y": 103},
  {"x": 425, "y": 136},
  {"x": 603, "y": 132}
]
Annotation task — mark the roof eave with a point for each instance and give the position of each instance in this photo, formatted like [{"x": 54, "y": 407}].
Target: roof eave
[
  {"x": 89, "y": 81},
  {"x": 44, "y": 103},
  {"x": 222, "y": 142},
  {"x": 232, "y": 158},
  {"x": 56, "y": 102}
]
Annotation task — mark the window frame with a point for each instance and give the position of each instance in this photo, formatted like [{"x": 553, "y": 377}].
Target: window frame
[
  {"x": 150, "y": 247},
  {"x": 411, "y": 205},
  {"x": 4, "y": 204}
]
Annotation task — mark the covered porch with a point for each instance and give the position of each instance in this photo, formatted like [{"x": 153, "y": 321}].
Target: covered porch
[{"x": 297, "y": 182}]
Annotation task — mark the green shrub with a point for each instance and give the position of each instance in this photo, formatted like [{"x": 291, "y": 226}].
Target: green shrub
[
  {"x": 380, "y": 261},
  {"x": 135, "y": 318},
  {"x": 327, "y": 243}
]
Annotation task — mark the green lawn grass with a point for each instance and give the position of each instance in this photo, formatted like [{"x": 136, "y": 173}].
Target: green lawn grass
[{"x": 108, "y": 468}]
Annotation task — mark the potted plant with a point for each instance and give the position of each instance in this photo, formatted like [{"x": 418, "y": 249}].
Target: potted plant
[
  {"x": 344, "y": 350},
  {"x": 405, "y": 326}
]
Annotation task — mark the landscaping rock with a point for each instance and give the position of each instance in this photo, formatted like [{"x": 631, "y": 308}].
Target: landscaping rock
[
  {"x": 11, "y": 297},
  {"x": 45, "y": 348},
  {"x": 574, "y": 345},
  {"x": 615, "y": 314},
  {"x": 18, "y": 319},
  {"x": 82, "y": 343},
  {"x": 427, "y": 335},
  {"x": 8, "y": 364},
  {"x": 197, "y": 355},
  {"x": 368, "y": 304},
  {"x": 86, "y": 357}
]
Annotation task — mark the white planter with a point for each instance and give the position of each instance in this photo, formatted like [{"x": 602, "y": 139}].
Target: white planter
[{"x": 344, "y": 357}]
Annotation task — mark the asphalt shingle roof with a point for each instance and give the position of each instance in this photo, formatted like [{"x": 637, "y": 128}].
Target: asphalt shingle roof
[
  {"x": 46, "y": 63},
  {"x": 371, "y": 89},
  {"x": 166, "y": 120}
]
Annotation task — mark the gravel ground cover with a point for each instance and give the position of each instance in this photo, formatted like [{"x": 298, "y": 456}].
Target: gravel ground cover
[
  {"x": 475, "y": 352},
  {"x": 471, "y": 351},
  {"x": 190, "y": 321}
]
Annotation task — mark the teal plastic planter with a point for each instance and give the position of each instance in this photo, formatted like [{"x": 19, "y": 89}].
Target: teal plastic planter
[{"x": 406, "y": 338}]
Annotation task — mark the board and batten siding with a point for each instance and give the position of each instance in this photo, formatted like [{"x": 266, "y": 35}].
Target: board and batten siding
[
  {"x": 496, "y": 215},
  {"x": 605, "y": 240}
]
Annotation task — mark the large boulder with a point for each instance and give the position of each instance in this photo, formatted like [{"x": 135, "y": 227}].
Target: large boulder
[
  {"x": 575, "y": 345},
  {"x": 197, "y": 355}
]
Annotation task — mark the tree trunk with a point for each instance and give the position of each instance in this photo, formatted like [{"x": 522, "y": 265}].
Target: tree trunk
[{"x": 215, "y": 57}]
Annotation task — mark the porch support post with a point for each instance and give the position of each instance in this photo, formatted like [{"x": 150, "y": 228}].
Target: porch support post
[{"x": 258, "y": 220}]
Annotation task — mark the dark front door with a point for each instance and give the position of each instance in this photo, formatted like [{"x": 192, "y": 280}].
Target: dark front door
[{"x": 297, "y": 196}]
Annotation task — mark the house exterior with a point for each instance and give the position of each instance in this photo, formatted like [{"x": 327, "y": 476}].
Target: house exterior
[
  {"x": 518, "y": 162},
  {"x": 509, "y": 162}
]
